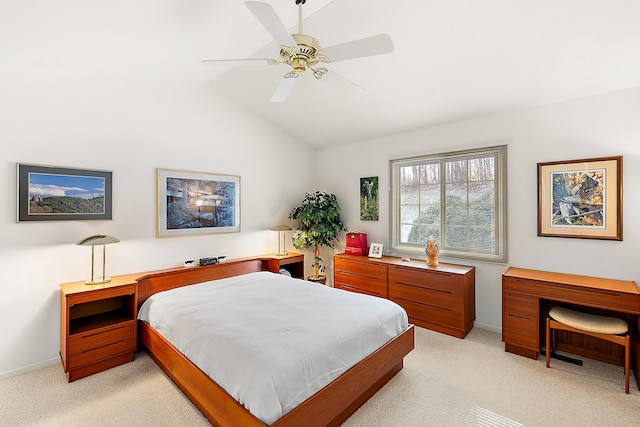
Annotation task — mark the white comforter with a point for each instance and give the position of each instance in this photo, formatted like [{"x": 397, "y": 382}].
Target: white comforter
[{"x": 269, "y": 340}]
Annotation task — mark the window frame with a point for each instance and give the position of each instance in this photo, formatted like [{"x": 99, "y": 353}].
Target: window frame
[{"x": 500, "y": 203}]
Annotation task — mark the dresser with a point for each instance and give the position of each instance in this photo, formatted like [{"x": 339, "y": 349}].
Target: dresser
[{"x": 439, "y": 298}]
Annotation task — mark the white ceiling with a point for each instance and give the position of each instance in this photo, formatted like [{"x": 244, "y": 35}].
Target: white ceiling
[{"x": 452, "y": 60}]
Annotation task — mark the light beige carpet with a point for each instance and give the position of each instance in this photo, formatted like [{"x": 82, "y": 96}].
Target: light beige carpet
[{"x": 445, "y": 382}]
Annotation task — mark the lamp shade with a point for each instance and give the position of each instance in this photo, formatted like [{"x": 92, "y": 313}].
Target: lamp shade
[
  {"x": 281, "y": 227},
  {"x": 97, "y": 239}
]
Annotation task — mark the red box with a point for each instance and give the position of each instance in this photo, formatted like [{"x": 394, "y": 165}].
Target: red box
[
  {"x": 356, "y": 251},
  {"x": 357, "y": 244}
]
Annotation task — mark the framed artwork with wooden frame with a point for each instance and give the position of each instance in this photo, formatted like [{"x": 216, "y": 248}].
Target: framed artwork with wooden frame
[
  {"x": 53, "y": 193},
  {"x": 196, "y": 203},
  {"x": 581, "y": 198}
]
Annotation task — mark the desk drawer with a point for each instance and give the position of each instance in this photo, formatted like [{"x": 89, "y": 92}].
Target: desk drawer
[
  {"x": 517, "y": 303},
  {"x": 521, "y": 331}
]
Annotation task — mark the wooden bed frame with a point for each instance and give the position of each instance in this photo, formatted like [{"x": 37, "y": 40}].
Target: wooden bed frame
[{"x": 330, "y": 406}]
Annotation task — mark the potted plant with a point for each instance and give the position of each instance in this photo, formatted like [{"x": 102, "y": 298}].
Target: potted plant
[{"x": 319, "y": 216}]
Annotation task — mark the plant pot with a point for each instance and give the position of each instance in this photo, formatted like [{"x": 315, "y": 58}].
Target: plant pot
[{"x": 320, "y": 279}]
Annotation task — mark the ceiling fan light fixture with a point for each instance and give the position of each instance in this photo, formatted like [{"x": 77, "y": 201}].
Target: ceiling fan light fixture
[
  {"x": 301, "y": 52},
  {"x": 299, "y": 64}
]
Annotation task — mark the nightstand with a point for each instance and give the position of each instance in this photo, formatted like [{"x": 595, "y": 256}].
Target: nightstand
[
  {"x": 292, "y": 262},
  {"x": 98, "y": 325}
]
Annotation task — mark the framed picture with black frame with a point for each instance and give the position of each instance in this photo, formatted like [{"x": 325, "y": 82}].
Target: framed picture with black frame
[{"x": 53, "y": 193}]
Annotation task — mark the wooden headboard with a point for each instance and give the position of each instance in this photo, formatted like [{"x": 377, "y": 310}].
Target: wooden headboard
[{"x": 152, "y": 283}]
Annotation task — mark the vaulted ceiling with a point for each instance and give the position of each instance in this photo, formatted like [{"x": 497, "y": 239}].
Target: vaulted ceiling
[{"x": 452, "y": 60}]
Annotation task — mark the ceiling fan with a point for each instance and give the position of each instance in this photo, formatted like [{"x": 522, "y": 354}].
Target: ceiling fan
[{"x": 302, "y": 52}]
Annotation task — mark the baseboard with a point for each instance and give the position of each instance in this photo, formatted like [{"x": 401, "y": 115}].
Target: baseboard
[
  {"x": 29, "y": 368},
  {"x": 487, "y": 327}
]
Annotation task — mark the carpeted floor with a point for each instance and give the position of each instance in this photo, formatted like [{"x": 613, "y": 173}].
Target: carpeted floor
[{"x": 445, "y": 382}]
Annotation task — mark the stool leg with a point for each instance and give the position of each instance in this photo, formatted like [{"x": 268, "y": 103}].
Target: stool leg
[
  {"x": 627, "y": 350},
  {"x": 548, "y": 343}
]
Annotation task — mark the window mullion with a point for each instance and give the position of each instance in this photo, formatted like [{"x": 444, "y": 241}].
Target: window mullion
[{"x": 443, "y": 198}]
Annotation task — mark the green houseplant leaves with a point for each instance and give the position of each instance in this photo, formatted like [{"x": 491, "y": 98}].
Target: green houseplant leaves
[{"x": 319, "y": 216}]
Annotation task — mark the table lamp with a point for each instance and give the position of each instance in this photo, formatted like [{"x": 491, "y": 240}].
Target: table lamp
[
  {"x": 280, "y": 229},
  {"x": 93, "y": 241}
]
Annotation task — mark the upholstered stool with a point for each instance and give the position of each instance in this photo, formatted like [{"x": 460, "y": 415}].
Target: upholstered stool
[{"x": 607, "y": 328}]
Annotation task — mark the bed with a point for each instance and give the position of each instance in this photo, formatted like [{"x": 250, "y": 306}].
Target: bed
[{"x": 300, "y": 384}]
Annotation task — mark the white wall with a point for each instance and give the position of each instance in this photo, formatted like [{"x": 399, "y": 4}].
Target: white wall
[
  {"x": 598, "y": 126},
  {"x": 68, "y": 99}
]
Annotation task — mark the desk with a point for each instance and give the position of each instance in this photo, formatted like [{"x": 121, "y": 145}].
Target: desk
[{"x": 527, "y": 296}]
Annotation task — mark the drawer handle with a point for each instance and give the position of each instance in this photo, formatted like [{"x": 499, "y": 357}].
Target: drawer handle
[
  {"x": 103, "y": 332},
  {"x": 520, "y": 316},
  {"x": 424, "y": 287},
  {"x": 422, "y": 271},
  {"x": 424, "y": 304},
  {"x": 345, "y": 286},
  {"x": 348, "y": 273},
  {"x": 103, "y": 346}
]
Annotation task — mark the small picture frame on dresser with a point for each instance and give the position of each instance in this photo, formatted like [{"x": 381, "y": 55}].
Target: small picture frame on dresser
[{"x": 375, "y": 250}]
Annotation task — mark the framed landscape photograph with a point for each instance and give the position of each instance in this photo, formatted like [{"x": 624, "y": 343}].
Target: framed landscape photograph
[
  {"x": 196, "y": 203},
  {"x": 50, "y": 193},
  {"x": 581, "y": 198}
]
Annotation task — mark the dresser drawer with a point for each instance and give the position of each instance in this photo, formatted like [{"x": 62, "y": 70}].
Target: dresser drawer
[
  {"x": 429, "y": 313},
  {"x": 364, "y": 267},
  {"x": 430, "y": 296},
  {"x": 433, "y": 281},
  {"x": 363, "y": 284}
]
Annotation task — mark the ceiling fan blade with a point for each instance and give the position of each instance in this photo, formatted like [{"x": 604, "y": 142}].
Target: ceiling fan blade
[
  {"x": 368, "y": 46},
  {"x": 236, "y": 61},
  {"x": 342, "y": 84},
  {"x": 284, "y": 89},
  {"x": 271, "y": 22}
]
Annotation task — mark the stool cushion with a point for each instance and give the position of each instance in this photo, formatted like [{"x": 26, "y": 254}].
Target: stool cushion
[{"x": 589, "y": 322}]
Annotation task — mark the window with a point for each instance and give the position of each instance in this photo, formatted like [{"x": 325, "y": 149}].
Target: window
[{"x": 457, "y": 198}]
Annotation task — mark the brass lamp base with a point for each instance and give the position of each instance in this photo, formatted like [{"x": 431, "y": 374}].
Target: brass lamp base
[{"x": 98, "y": 282}]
